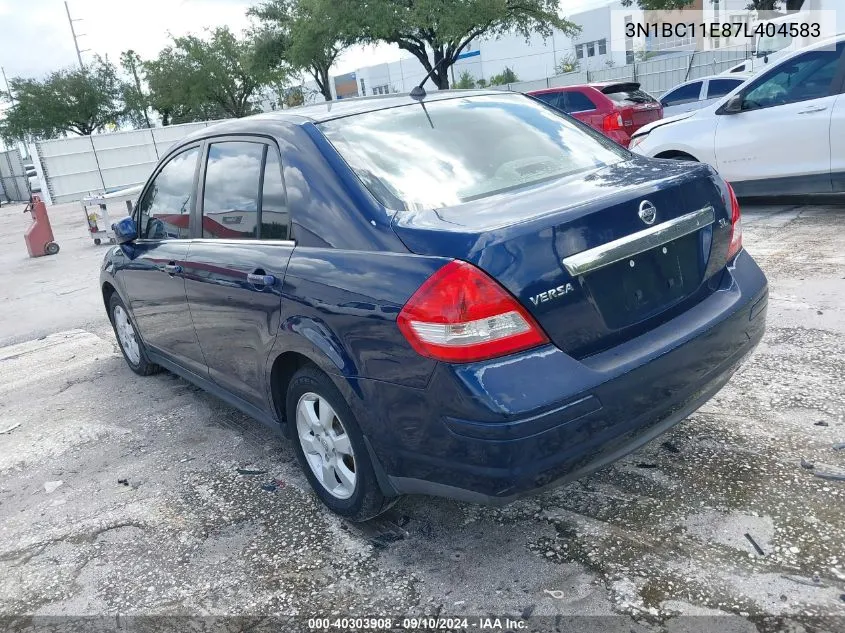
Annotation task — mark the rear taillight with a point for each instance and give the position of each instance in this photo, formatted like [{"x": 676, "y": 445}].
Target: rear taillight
[
  {"x": 460, "y": 314},
  {"x": 612, "y": 121},
  {"x": 735, "y": 244}
]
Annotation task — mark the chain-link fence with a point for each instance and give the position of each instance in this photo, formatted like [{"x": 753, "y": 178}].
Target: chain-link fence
[
  {"x": 656, "y": 76},
  {"x": 14, "y": 184}
]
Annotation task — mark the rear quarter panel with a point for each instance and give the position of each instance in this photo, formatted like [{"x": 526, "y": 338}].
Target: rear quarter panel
[{"x": 349, "y": 274}]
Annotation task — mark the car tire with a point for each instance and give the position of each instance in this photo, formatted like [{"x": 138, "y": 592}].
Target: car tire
[
  {"x": 128, "y": 340},
  {"x": 335, "y": 447}
]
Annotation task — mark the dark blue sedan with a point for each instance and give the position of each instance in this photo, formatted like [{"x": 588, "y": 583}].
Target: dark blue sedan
[{"x": 468, "y": 295}]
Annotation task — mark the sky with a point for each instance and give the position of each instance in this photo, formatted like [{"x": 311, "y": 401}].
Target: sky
[{"x": 35, "y": 36}]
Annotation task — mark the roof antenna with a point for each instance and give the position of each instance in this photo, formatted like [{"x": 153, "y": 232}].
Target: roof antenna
[{"x": 418, "y": 92}]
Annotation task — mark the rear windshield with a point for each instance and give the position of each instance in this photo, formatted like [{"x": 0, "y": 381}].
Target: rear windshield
[
  {"x": 627, "y": 94},
  {"x": 446, "y": 152}
]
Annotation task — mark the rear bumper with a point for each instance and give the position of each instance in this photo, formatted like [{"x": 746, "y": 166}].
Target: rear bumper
[{"x": 493, "y": 431}]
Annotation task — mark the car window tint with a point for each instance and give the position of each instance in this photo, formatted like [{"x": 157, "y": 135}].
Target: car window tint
[
  {"x": 460, "y": 149},
  {"x": 805, "y": 77},
  {"x": 554, "y": 99},
  {"x": 230, "y": 198},
  {"x": 682, "y": 95},
  {"x": 721, "y": 87},
  {"x": 165, "y": 210},
  {"x": 275, "y": 220},
  {"x": 578, "y": 102}
]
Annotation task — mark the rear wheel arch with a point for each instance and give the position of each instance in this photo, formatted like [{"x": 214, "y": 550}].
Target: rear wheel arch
[
  {"x": 285, "y": 365},
  {"x": 677, "y": 155}
]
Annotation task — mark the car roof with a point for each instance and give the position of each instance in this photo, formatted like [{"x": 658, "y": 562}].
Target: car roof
[
  {"x": 327, "y": 110},
  {"x": 598, "y": 85}
]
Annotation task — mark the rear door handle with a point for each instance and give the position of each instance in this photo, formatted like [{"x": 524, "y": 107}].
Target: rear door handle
[
  {"x": 260, "y": 279},
  {"x": 816, "y": 109},
  {"x": 172, "y": 269}
]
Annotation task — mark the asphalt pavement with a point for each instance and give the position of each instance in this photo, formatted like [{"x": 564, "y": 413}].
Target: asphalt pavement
[{"x": 126, "y": 496}]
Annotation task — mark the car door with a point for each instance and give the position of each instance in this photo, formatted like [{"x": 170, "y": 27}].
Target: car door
[
  {"x": 837, "y": 140},
  {"x": 682, "y": 99},
  {"x": 583, "y": 108},
  {"x": 237, "y": 261},
  {"x": 153, "y": 278},
  {"x": 783, "y": 128}
]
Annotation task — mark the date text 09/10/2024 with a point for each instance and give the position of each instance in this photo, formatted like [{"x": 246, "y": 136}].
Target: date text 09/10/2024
[
  {"x": 695, "y": 30},
  {"x": 416, "y": 624}
]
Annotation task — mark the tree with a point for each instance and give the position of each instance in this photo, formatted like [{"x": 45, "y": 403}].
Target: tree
[
  {"x": 73, "y": 101},
  {"x": 758, "y": 5},
  {"x": 465, "y": 81},
  {"x": 136, "y": 101},
  {"x": 293, "y": 97},
  {"x": 507, "y": 76},
  {"x": 305, "y": 36},
  {"x": 567, "y": 64},
  {"x": 481, "y": 83},
  {"x": 198, "y": 79},
  {"x": 446, "y": 27}
]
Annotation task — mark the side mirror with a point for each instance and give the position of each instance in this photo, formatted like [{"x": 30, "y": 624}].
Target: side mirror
[
  {"x": 731, "y": 106},
  {"x": 125, "y": 231},
  {"x": 766, "y": 59}
]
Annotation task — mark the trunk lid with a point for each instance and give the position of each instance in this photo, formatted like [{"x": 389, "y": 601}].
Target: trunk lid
[
  {"x": 576, "y": 253},
  {"x": 637, "y": 106}
]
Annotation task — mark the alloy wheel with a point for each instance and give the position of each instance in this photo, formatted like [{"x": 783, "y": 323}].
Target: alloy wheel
[
  {"x": 326, "y": 445},
  {"x": 126, "y": 335}
]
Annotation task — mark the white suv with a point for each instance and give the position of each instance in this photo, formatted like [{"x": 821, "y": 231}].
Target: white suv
[{"x": 782, "y": 132}]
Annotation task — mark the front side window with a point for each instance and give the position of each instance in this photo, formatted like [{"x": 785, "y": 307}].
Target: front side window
[
  {"x": 805, "y": 77},
  {"x": 165, "y": 210},
  {"x": 461, "y": 149},
  {"x": 230, "y": 195}
]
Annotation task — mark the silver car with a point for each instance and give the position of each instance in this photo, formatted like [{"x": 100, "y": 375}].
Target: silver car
[{"x": 700, "y": 92}]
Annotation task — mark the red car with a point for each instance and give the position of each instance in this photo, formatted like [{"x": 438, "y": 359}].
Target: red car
[{"x": 617, "y": 110}]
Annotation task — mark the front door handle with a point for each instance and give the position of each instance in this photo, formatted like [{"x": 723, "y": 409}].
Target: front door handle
[
  {"x": 260, "y": 279},
  {"x": 816, "y": 109},
  {"x": 172, "y": 269}
]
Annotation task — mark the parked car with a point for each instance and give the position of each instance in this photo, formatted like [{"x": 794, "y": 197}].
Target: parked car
[
  {"x": 782, "y": 132},
  {"x": 695, "y": 94},
  {"x": 617, "y": 110},
  {"x": 470, "y": 295}
]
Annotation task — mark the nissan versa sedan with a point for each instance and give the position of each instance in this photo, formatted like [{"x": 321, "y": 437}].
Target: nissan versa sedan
[{"x": 468, "y": 294}]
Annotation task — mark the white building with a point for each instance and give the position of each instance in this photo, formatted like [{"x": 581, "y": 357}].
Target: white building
[{"x": 600, "y": 44}]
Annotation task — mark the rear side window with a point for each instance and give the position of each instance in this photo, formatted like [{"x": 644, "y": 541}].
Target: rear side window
[
  {"x": 460, "y": 149},
  {"x": 165, "y": 210},
  {"x": 275, "y": 220},
  {"x": 232, "y": 184},
  {"x": 578, "y": 102},
  {"x": 627, "y": 94},
  {"x": 685, "y": 94},
  {"x": 721, "y": 87}
]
